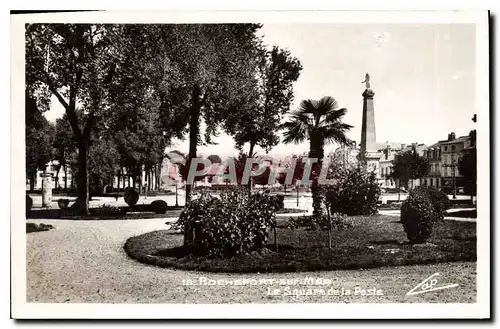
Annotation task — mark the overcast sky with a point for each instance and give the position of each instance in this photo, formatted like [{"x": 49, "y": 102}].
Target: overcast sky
[{"x": 423, "y": 77}]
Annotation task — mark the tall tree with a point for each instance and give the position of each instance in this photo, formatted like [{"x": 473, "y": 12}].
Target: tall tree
[
  {"x": 64, "y": 145},
  {"x": 467, "y": 167},
  {"x": 77, "y": 63},
  {"x": 257, "y": 120},
  {"x": 320, "y": 122},
  {"x": 39, "y": 140},
  {"x": 214, "y": 61},
  {"x": 409, "y": 165}
]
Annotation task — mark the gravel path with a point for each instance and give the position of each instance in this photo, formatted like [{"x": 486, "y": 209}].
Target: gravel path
[{"x": 84, "y": 261}]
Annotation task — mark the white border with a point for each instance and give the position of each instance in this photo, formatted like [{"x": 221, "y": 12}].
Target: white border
[{"x": 21, "y": 309}]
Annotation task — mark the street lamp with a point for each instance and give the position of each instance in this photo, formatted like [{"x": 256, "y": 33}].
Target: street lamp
[{"x": 453, "y": 165}]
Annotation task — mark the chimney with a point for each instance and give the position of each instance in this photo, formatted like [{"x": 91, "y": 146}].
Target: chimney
[
  {"x": 451, "y": 136},
  {"x": 387, "y": 151}
]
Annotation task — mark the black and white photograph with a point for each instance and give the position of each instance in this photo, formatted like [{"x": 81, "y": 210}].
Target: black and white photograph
[{"x": 250, "y": 165}]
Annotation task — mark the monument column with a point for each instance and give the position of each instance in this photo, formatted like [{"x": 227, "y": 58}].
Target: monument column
[
  {"x": 46, "y": 190},
  {"x": 368, "y": 153}
]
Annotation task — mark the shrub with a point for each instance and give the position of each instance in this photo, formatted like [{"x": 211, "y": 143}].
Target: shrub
[
  {"x": 232, "y": 224},
  {"x": 130, "y": 196},
  {"x": 159, "y": 206},
  {"x": 63, "y": 203},
  {"x": 29, "y": 203},
  {"x": 418, "y": 216},
  {"x": 439, "y": 199},
  {"x": 355, "y": 192}
]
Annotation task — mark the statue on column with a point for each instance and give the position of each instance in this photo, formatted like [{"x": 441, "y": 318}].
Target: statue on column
[{"x": 367, "y": 81}]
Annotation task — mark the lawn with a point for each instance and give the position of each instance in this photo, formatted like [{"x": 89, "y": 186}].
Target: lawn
[
  {"x": 137, "y": 212},
  {"x": 376, "y": 241}
]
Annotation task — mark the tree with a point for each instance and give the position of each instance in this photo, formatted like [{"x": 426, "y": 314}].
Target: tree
[
  {"x": 408, "y": 165},
  {"x": 77, "y": 63},
  {"x": 103, "y": 164},
  {"x": 467, "y": 167},
  {"x": 257, "y": 121},
  {"x": 64, "y": 145},
  {"x": 319, "y": 122},
  {"x": 39, "y": 140},
  {"x": 213, "y": 61}
]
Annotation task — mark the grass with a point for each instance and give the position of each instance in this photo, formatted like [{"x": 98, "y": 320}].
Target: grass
[
  {"x": 372, "y": 242},
  {"x": 138, "y": 212}
]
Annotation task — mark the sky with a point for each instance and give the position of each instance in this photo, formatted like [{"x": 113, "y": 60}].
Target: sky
[{"x": 423, "y": 76}]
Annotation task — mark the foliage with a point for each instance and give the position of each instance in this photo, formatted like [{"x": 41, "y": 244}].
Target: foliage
[
  {"x": 39, "y": 138},
  {"x": 130, "y": 196},
  {"x": 409, "y": 165},
  {"x": 368, "y": 244},
  {"x": 337, "y": 222},
  {"x": 439, "y": 200},
  {"x": 354, "y": 192},
  {"x": 467, "y": 167},
  {"x": 64, "y": 144},
  {"x": 319, "y": 122},
  {"x": 159, "y": 206},
  {"x": 256, "y": 120},
  {"x": 418, "y": 216},
  {"x": 232, "y": 224},
  {"x": 103, "y": 164}
]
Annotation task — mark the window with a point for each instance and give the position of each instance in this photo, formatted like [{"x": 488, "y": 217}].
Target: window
[
  {"x": 453, "y": 147},
  {"x": 446, "y": 148}
]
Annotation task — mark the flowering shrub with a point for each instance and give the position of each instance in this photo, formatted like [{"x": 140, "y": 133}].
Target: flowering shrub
[
  {"x": 232, "y": 224},
  {"x": 418, "y": 216},
  {"x": 439, "y": 199},
  {"x": 355, "y": 192}
]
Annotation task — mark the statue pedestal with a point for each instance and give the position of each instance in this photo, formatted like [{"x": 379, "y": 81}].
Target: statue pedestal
[
  {"x": 370, "y": 161},
  {"x": 46, "y": 190}
]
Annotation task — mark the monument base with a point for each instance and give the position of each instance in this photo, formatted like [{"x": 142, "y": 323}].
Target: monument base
[{"x": 370, "y": 161}]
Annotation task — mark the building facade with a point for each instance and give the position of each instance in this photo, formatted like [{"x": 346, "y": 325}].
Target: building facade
[{"x": 443, "y": 159}]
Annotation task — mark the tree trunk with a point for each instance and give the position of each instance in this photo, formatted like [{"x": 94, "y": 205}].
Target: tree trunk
[
  {"x": 194, "y": 130},
  {"x": 316, "y": 151},
  {"x": 250, "y": 154},
  {"x": 82, "y": 196},
  {"x": 65, "y": 168}
]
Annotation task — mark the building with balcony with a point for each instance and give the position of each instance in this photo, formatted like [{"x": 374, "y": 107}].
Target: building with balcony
[{"x": 443, "y": 159}]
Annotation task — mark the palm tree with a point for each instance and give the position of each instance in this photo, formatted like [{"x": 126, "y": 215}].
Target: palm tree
[{"x": 320, "y": 122}]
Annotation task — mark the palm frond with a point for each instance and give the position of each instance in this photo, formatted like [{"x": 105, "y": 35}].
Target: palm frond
[
  {"x": 334, "y": 115},
  {"x": 326, "y": 104},
  {"x": 308, "y": 106}
]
